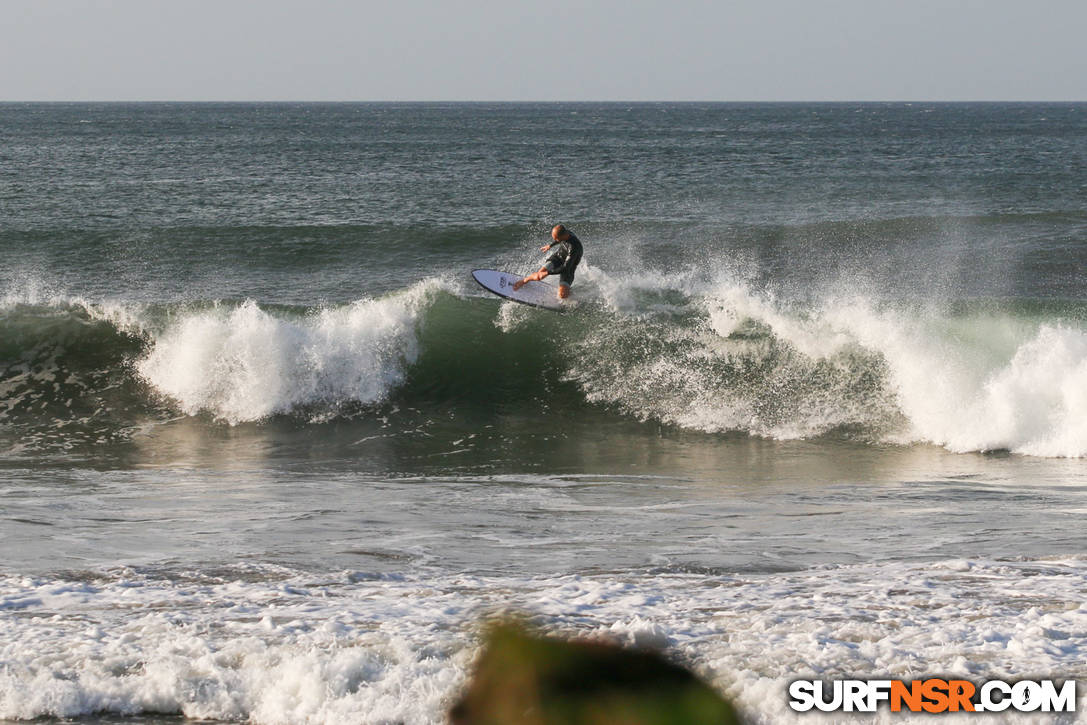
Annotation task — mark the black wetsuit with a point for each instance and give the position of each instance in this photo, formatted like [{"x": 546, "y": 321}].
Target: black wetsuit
[{"x": 564, "y": 259}]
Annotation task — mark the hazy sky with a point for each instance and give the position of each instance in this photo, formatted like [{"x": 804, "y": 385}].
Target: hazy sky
[{"x": 536, "y": 50}]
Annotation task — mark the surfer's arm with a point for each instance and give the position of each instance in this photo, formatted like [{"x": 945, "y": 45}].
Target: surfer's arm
[{"x": 546, "y": 248}]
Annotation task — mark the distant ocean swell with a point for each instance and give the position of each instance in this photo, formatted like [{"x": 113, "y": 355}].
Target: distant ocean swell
[{"x": 711, "y": 355}]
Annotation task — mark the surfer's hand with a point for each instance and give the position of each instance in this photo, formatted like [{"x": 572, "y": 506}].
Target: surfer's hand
[{"x": 545, "y": 247}]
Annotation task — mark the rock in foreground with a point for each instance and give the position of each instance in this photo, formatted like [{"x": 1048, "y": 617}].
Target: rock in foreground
[{"x": 526, "y": 679}]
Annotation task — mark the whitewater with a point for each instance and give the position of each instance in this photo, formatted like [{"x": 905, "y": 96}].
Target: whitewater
[
  {"x": 351, "y": 647},
  {"x": 711, "y": 355}
]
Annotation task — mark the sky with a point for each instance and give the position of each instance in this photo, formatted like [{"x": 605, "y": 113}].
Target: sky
[{"x": 536, "y": 50}]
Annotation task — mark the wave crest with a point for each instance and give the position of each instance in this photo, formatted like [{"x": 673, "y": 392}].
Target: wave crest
[
  {"x": 712, "y": 354},
  {"x": 245, "y": 363},
  {"x": 981, "y": 377}
]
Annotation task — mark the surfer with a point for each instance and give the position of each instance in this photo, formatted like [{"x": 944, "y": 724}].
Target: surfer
[{"x": 563, "y": 261}]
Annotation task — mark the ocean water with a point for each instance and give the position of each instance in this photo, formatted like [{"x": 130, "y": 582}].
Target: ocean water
[{"x": 267, "y": 452}]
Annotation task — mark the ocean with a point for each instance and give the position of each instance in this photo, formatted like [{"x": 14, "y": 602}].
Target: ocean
[{"x": 268, "y": 453}]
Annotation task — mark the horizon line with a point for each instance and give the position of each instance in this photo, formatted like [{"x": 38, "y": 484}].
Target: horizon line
[{"x": 543, "y": 101}]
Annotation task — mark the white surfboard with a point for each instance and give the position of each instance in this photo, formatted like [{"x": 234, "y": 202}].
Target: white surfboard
[{"x": 537, "y": 294}]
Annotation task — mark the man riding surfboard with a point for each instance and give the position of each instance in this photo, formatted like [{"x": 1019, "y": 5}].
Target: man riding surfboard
[{"x": 563, "y": 261}]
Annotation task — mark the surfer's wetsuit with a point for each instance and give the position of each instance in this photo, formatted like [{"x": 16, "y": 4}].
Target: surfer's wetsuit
[{"x": 564, "y": 259}]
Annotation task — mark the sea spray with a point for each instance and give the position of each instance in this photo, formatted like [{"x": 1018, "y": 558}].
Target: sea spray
[
  {"x": 1037, "y": 404},
  {"x": 245, "y": 363},
  {"x": 980, "y": 381},
  {"x": 704, "y": 352},
  {"x": 716, "y": 355},
  {"x": 736, "y": 358}
]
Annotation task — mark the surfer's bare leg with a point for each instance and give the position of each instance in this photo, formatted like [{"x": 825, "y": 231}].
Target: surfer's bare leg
[{"x": 532, "y": 278}]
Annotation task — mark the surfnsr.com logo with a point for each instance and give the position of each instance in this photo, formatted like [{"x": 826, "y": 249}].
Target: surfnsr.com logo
[{"x": 932, "y": 695}]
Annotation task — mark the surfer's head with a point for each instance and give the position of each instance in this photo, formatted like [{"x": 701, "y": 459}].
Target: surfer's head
[{"x": 559, "y": 233}]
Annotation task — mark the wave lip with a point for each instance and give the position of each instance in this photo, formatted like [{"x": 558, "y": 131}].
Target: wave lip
[
  {"x": 1037, "y": 404},
  {"x": 968, "y": 376},
  {"x": 713, "y": 355},
  {"x": 982, "y": 382},
  {"x": 245, "y": 363}
]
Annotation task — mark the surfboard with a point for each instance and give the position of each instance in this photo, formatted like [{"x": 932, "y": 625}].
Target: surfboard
[{"x": 536, "y": 294}]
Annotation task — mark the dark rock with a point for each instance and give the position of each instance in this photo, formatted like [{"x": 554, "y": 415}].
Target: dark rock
[{"x": 526, "y": 679}]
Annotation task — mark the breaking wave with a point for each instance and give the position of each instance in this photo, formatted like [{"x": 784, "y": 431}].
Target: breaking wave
[{"x": 711, "y": 353}]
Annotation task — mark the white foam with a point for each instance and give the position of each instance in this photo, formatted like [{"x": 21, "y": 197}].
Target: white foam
[
  {"x": 245, "y": 363},
  {"x": 968, "y": 382},
  {"x": 992, "y": 383},
  {"x": 512, "y": 316},
  {"x": 127, "y": 317},
  {"x": 692, "y": 374},
  {"x": 274, "y": 646}
]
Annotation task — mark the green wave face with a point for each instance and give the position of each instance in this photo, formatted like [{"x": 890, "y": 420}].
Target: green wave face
[{"x": 436, "y": 361}]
